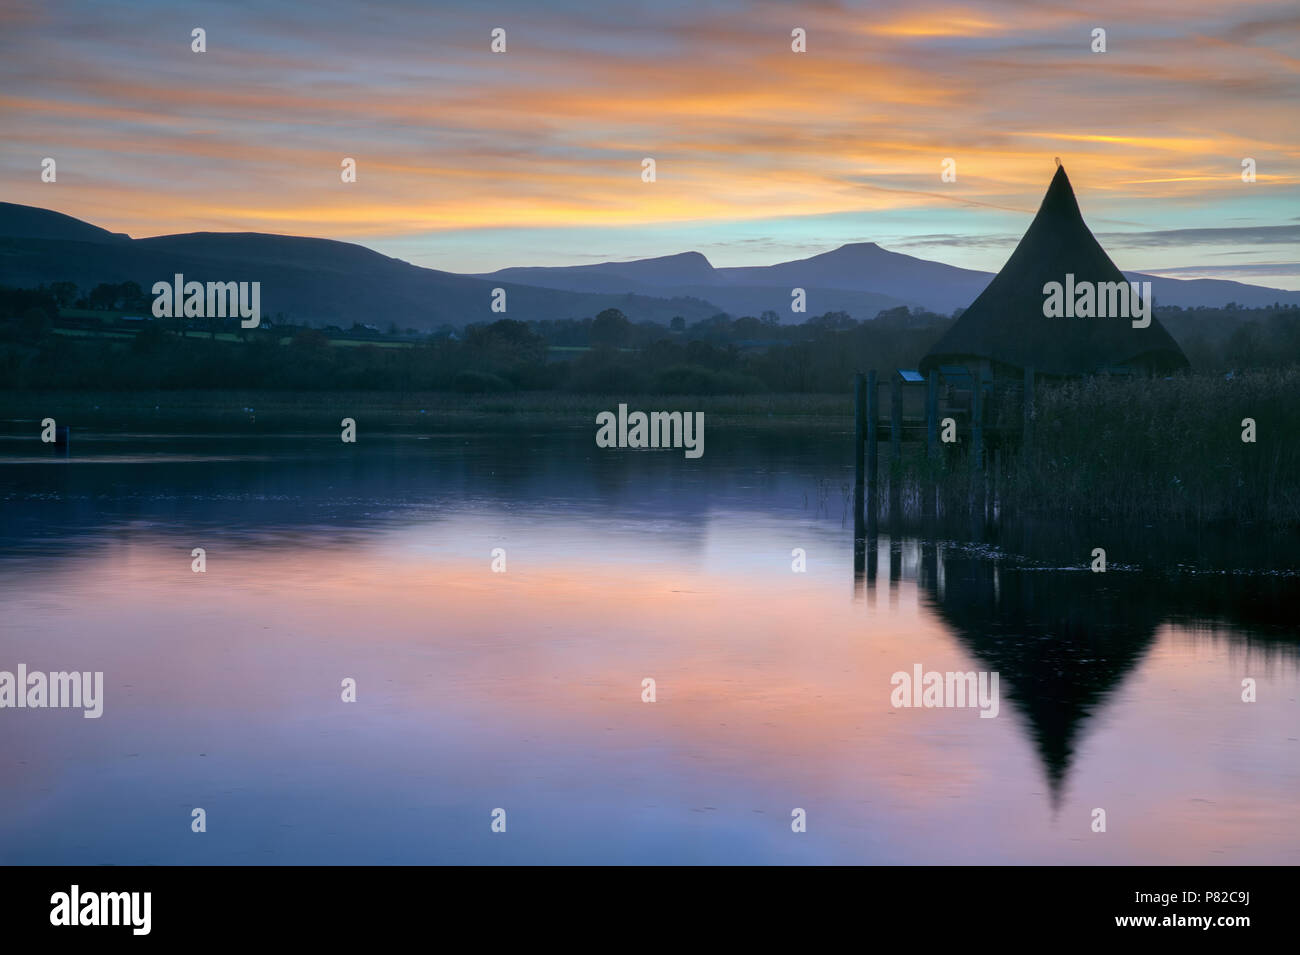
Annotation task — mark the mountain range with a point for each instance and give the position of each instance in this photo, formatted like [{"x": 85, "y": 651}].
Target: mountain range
[{"x": 321, "y": 281}]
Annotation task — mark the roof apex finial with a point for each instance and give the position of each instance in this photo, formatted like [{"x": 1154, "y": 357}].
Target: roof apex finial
[{"x": 1058, "y": 162}]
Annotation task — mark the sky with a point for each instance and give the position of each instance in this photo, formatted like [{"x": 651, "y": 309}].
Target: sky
[{"x": 471, "y": 160}]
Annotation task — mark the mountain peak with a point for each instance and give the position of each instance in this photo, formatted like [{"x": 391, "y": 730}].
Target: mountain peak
[
  {"x": 681, "y": 268},
  {"x": 851, "y": 252},
  {"x": 854, "y": 250},
  {"x": 690, "y": 260},
  {"x": 32, "y": 222}
]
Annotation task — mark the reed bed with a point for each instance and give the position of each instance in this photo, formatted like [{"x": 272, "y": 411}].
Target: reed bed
[{"x": 1142, "y": 450}]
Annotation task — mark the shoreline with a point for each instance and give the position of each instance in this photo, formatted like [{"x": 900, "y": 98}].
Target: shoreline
[
  {"x": 206, "y": 412},
  {"x": 1196, "y": 448}
]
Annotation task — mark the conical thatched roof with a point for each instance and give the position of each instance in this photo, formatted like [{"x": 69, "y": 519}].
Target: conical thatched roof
[{"x": 1006, "y": 325}]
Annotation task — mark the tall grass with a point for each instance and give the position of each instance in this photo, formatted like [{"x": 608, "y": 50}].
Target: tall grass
[{"x": 1163, "y": 449}]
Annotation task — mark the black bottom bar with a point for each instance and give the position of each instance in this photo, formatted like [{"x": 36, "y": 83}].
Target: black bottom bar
[{"x": 925, "y": 904}]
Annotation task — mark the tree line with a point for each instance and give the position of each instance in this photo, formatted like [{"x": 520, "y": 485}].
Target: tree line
[{"x": 606, "y": 353}]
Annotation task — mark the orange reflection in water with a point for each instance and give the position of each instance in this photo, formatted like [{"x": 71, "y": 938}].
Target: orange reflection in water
[{"x": 773, "y": 692}]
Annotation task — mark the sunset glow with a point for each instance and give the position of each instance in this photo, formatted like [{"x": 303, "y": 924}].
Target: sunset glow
[{"x": 470, "y": 160}]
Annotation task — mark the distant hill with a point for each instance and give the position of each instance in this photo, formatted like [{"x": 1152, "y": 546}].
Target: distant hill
[
  {"x": 860, "y": 278},
  {"x": 686, "y": 268},
  {"x": 322, "y": 281},
  {"x": 319, "y": 281},
  {"x": 30, "y": 222},
  {"x": 866, "y": 267},
  {"x": 1188, "y": 293}
]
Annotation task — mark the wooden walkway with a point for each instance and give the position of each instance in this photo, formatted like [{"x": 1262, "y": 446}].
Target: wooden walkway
[{"x": 978, "y": 415}]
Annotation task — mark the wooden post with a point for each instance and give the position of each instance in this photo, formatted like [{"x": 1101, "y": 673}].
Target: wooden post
[
  {"x": 872, "y": 549},
  {"x": 928, "y": 577},
  {"x": 895, "y": 447},
  {"x": 995, "y": 473},
  {"x": 859, "y": 428},
  {"x": 859, "y": 564},
  {"x": 931, "y": 503},
  {"x": 873, "y": 413},
  {"x": 981, "y": 472},
  {"x": 859, "y": 527},
  {"x": 872, "y": 541},
  {"x": 932, "y": 415},
  {"x": 1027, "y": 442},
  {"x": 895, "y": 420}
]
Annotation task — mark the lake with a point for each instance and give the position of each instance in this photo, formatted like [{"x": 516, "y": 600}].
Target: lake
[{"x": 522, "y": 690}]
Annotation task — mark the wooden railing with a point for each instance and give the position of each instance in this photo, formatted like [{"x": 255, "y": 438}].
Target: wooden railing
[{"x": 980, "y": 407}]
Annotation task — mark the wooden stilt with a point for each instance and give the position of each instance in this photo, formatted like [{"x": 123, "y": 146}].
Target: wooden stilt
[
  {"x": 859, "y": 441},
  {"x": 895, "y": 420},
  {"x": 873, "y": 415},
  {"x": 929, "y": 574},
  {"x": 1027, "y": 443},
  {"x": 872, "y": 548},
  {"x": 932, "y": 415},
  {"x": 981, "y": 456},
  {"x": 895, "y": 447}
]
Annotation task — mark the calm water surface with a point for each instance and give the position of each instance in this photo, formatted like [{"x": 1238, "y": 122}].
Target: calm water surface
[{"x": 522, "y": 690}]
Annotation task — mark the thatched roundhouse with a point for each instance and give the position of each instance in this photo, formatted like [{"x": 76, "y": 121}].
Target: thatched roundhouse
[{"x": 1005, "y": 331}]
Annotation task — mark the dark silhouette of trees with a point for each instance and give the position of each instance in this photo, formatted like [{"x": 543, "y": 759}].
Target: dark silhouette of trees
[
  {"x": 65, "y": 293},
  {"x": 607, "y": 354},
  {"x": 124, "y": 296},
  {"x": 610, "y": 329}
]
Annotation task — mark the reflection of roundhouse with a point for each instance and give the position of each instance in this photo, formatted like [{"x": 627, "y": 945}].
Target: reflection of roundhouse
[
  {"x": 1005, "y": 330},
  {"x": 1061, "y": 642}
]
